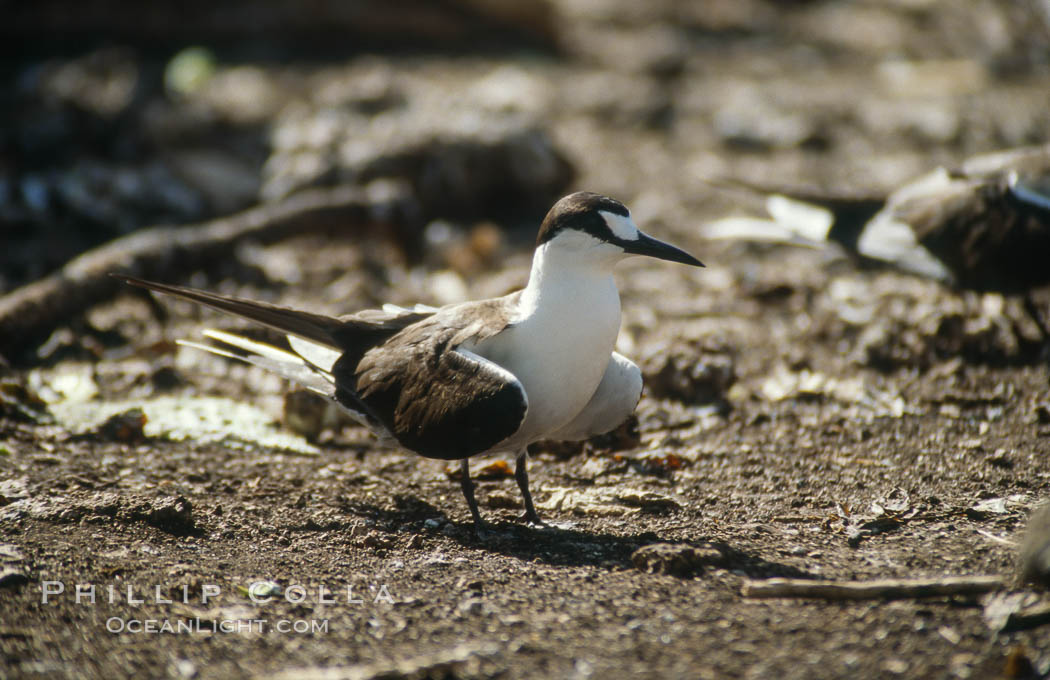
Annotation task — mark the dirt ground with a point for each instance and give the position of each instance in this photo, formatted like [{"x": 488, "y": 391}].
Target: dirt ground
[{"x": 804, "y": 416}]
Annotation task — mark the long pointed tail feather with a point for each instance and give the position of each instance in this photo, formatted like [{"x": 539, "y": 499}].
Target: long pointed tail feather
[
  {"x": 315, "y": 327},
  {"x": 291, "y": 368},
  {"x": 252, "y": 346},
  {"x": 312, "y": 338}
]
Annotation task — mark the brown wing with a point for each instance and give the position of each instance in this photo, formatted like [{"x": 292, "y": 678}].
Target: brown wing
[
  {"x": 358, "y": 333},
  {"x": 986, "y": 233},
  {"x": 400, "y": 370},
  {"x": 436, "y": 400}
]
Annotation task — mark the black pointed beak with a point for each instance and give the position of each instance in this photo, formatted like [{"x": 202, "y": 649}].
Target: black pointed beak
[{"x": 651, "y": 247}]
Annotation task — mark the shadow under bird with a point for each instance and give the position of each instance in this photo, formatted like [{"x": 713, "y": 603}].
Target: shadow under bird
[
  {"x": 984, "y": 225},
  {"x": 485, "y": 376}
]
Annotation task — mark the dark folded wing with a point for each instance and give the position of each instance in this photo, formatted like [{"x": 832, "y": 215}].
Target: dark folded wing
[
  {"x": 437, "y": 400},
  {"x": 360, "y": 332},
  {"x": 992, "y": 235},
  {"x": 400, "y": 370}
]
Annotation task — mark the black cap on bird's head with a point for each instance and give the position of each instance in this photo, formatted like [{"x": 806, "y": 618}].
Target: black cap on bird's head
[{"x": 608, "y": 221}]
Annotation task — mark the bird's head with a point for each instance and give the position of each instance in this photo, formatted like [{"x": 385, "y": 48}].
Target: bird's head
[{"x": 596, "y": 228}]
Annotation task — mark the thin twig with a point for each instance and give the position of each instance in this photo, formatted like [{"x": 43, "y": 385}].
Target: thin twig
[
  {"x": 997, "y": 539},
  {"x": 871, "y": 590}
]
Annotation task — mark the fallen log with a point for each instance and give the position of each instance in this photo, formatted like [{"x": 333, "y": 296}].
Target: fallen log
[{"x": 29, "y": 314}]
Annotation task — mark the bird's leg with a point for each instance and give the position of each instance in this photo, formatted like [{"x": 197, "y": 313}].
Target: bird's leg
[
  {"x": 468, "y": 490},
  {"x": 521, "y": 473}
]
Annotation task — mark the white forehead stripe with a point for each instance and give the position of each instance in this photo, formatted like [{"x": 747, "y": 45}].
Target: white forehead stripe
[{"x": 622, "y": 227}]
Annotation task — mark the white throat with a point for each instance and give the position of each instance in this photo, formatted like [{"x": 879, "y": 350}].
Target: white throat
[{"x": 571, "y": 279}]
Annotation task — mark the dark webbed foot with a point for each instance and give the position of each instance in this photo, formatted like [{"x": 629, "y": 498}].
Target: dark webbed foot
[{"x": 521, "y": 473}]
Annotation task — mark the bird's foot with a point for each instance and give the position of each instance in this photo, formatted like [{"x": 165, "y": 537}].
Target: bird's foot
[
  {"x": 482, "y": 532},
  {"x": 533, "y": 519}
]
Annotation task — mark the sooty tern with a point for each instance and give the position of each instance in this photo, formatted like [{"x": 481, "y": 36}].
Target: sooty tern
[
  {"x": 983, "y": 226},
  {"x": 477, "y": 377}
]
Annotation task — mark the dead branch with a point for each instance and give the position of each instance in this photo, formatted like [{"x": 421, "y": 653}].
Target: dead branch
[
  {"x": 30, "y": 313},
  {"x": 886, "y": 589}
]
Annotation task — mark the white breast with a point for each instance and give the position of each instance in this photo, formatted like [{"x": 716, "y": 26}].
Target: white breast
[
  {"x": 558, "y": 348},
  {"x": 610, "y": 405}
]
